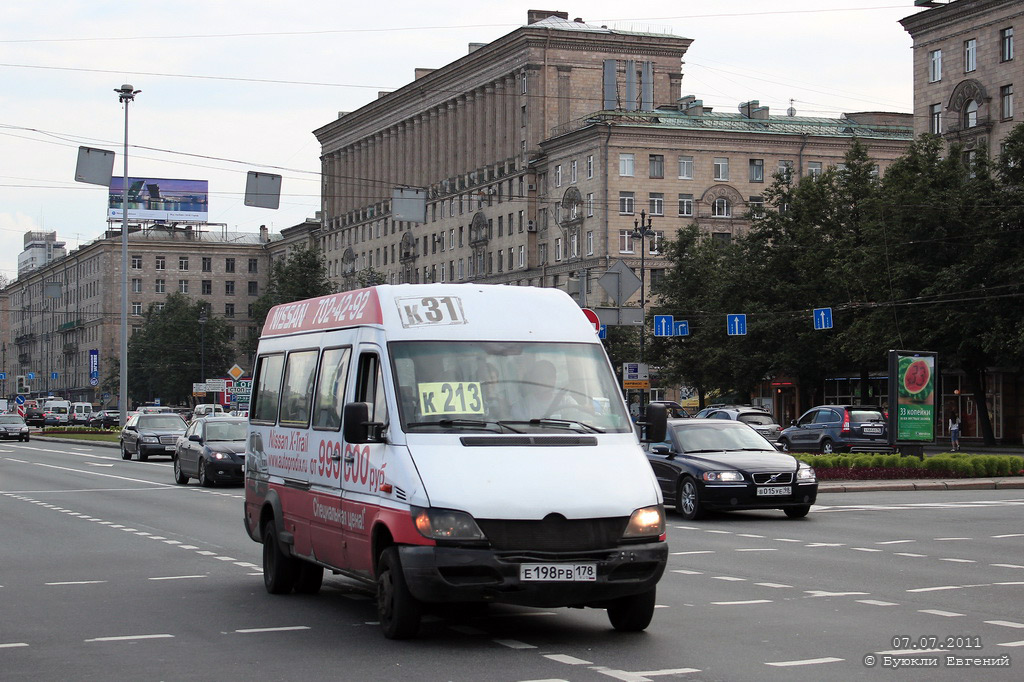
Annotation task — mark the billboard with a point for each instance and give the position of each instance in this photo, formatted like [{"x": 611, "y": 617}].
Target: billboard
[
  {"x": 913, "y": 377},
  {"x": 160, "y": 199}
]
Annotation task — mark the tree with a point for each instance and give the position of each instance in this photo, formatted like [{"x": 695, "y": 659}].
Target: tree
[
  {"x": 303, "y": 274},
  {"x": 171, "y": 350}
]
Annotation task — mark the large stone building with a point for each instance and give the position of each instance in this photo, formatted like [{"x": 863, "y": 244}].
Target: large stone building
[
  {"x": 538, "y": 151},
  {"x": 967, "y": 77},
  {"x": 54, "y": 315}
]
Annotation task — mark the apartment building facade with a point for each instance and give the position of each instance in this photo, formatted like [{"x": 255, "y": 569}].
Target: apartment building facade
[{"x": 968, "y": 72}]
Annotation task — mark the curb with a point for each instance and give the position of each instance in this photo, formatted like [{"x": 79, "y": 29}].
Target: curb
[{"x": 904, "y": 485}]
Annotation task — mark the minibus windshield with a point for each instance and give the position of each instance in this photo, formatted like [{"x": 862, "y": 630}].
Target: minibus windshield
[{"x": 506, "y": 386}]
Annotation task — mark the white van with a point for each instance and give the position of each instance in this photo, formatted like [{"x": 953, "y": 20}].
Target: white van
[
  {"x": 81, "y": 412},
  {"x": 208, "y": 410},
  {"x": 57, "y": 412},
  {"x": 450, "y": 443}
]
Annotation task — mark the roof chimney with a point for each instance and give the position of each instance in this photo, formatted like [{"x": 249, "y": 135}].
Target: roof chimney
[{"x": 264, "y": 234}]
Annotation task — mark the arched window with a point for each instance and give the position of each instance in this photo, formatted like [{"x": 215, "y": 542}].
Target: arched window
[
  {"x": 721, "y": 209},
  {"x": 970, "y": 114}
]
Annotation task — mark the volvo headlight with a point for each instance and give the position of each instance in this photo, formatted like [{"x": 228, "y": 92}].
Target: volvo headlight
[
  {"x": 646, "y": 522},
  {"x": 806, "y": 475},
  {"x": 446, "y": 524},
  {"x": 730, "y": 476}
]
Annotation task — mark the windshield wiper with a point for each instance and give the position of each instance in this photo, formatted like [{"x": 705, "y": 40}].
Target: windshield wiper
[
  {"x": 459, "y": 423},
  {"x": 549, "y": 421},
  {"x": 693, "y": 452}
]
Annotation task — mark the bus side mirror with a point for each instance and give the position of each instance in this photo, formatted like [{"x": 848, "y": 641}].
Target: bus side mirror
[
  {"x": 358, "y": 428},
  {"x": 655, "y": 423}
]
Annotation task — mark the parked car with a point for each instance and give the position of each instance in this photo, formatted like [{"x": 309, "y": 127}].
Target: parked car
[
  {"x": 154, "y": 409},
  {"x": 212, "y": 450},
  {"x": 13, "y": 426},
  {"x": 838, "y": 428},
  {"x": 724, "y": 406},
  {"x": 723, "y": 464},
  {"x": 207, "y": 410},
  {"x": 674, "y": 409},
  {"x": 151, "y": 434},
  {"x": 56, "y": 415},
  {"x": 759, "y": 420},
  {"x": 34, "y": 416},
  {"x": 105, "y": 418}
]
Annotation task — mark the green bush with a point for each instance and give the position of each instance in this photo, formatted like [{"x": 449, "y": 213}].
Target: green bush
[
  {"x": 861, "y": 461},
  {"x": 960, "y": 467},
  {"x": 940, "y": 463},
  {"x": 910, "y": 462},
  {"x": 1003, "y": 465}
]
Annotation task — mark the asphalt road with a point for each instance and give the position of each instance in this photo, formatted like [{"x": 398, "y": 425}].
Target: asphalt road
[{"x": 110, "y": 571}]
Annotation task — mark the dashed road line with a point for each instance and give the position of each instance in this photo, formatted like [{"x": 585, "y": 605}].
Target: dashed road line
[
  {"x": 12, "y": 645},
  {"x": 806, "y": 661},
  {"x": 128, "y": 638},
  {"x": 938, "y": 612},
  {"x": 568, "y": 660},
  {"x": 876, "y": 602},
  {"x": 514, "y": 644},
  {"x": 745, "y": 602},
  {"x": 774, "y": 585},
  {"x": 1005, "y": 623},
  {"x": 1020, "y": 643},
  {"x": 285, "y": 628},
  {"x": 78, "y": 582},
  {"x": 178, "y": 577}
]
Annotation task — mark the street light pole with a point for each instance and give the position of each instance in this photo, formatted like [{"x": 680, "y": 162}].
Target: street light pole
[
  {"x": 125, "y": 94},
  {"x": 642, "y": 230},
  {"x": 202, "y": 345}
]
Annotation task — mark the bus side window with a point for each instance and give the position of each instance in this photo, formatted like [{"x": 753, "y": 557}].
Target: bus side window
[
  {"x": 370, "y": 387},
  {"x": 330, "y": 394},
  {"x": 267, "y": 388},
  {"x": 298, "y": 388}
]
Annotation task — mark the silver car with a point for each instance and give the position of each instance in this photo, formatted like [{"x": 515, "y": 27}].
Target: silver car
[{"x": 757, "y": 419}]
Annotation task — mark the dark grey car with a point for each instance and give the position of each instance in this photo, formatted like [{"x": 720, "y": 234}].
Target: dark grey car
[
  {"x": 151, "y": 434},
  {"x": 212, "y": 450},
  {"x": 838, "y": 428}
]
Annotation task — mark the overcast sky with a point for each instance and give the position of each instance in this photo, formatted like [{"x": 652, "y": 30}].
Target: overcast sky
[{"x": 229, "y": 87}]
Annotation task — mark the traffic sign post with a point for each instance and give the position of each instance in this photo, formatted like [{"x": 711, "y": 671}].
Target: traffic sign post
[
  {"x": 736, "y": 324},
  {"x": 822, "y": 318}
]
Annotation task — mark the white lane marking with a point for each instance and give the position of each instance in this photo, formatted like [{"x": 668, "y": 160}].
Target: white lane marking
[
  {"x": 749, "y": 535},
  {"x": 1005, "y": 623},
  {"x": 178, "y": 577},
  {"x": 937, "y": 612},
  {"x": 950, "y": 539},
  {"x": 729, "y": 578},
  {"x": 167, "y": 486},
  {"x": 865, "y": 549},
  {"x": 1006, "y": 565},
  {"x": 187, "y": 547},
  {"x": 806, "y": 661},
  {"x": 1015, "y": 582},
  {"x": 286, "y": 628},
  {"x": 568, "y": 660},
  {"x": 686, "y": 572},
  {"x": 877, "y": 602},
  {"x": 959, "y": 561},
  {"x": 78, "y": 582},
  {"x": 687, "y": 527},
  {"x": 157, "y": 537},
  {"x": 245, "y": 564},
  {"x": 143, "y": 533},
  {"x": 126, "y": 638},
  {"x": 787, "y": 540},
  {"x": 936, "y": 589},
  {"x": 172, "y": 542},
  {"x": 625, "y": 676},
  {"x": 225, "y": 558},
  {"x": 826, "y": 544},
  {"x": 700, "y": 551},
  {"x": 97, "y": 464},
  {"x": 757, "y": 549},
  {"x": 11, "y": 645},
  {"x": 1010, "y": 535},
  {"x": 775, "y": 585},
  {"x": 206, "y": 552},
  {"x": 895, "y": 542},
  {"x": 514, "y": 644},
  {"x": 910, "y": 554},
  {"x": 720, "y": 532},
  {"x": 1020, "y": 643},
  {"x": 824, "y": 593},
  {"x": 742, "y": 603}
]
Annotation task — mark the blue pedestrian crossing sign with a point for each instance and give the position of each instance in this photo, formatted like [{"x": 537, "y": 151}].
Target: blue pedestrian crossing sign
[
  {"x": 822, "y": 318},
  {"x": 736, "y": 325},
  {"x": 681, "y": 328},
  {"x": 663, "y": 325}
]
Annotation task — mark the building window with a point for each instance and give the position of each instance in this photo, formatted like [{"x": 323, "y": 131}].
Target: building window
[
  {"x": 657, "y": 241},
  {"x": 656, "y": 203},
  {"x": 686, "y": 204},
  {"x": 574, "y": 245},
  {"x": 182, "y": 286},
  {"x": 522, "y": 256},
  {"x": 970, "y": 116},
  {"x": 558, "y": 249},
  {"x": 207, "y": 264},
  {"x": 254, "y": 288},
  {"x": 686, "y": 168},
  {"x": 590, "y": 242},
  {"x": 625, "y": 241},
  {"x": 626, "y": 162},
  {"x": 161, "y": 262},
  {"x": 757, "y": 170},
  {"x": 935, "y": 119},
  {"x": 626, "y": 203},
  {"x": 229, "y": 288},
  {"x": 1006, "y": 101},
  {"x": 558, "y": 175},
  {"x": 573, "y": 173},
  {"x": 136, "y": 308},
  {"x": 656, "y": 163},
  {"x": 970, "y": 55},
  {"x": 786, "y": 168},
  {"x": 590, "y": 205},
  {"x": 722, "y": 237},
  {"x": 934, "y": 66},
  {"x": 207, "y": 287},
  {"x": 229, "y": 265},
  {"x": 813, "y": 169},
  {"x": 590, "y": 166},
  {"x": 158, "y": 307},
  {"x": 136, "y": 286},
  {"x": 522, "y": 84},
  {"x": 160, "y": 286},
  {"x": 721, "y": 168},
  {"x": 136, "y": 262},
  {"x": 1006, "y": 44},
  {"x": 756, "y": 206},
  {"x": 229, "y": 310},
  {"x": 254, "y": 264},
  {"x": 720, "y": 208},
  {"x": 183, "y": 262}
]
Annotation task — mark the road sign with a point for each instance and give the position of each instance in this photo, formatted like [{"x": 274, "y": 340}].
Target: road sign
[
  {"x": 822, "y": 318},
  {"x": 20, "y": 399},
  {"x": 53, "y": 375},
  {"x": 30, "y": 376},
  {"x": 3, "y": 376},
  {"x": 216, "y": 385},
  {"x": 236, "y": 372},
  {"x": 636, "y": 383},
  {"x": 93, "y": 381},
  {"x": 736, "y": 325},
  {"x": 632, "y": 317},
  {"x": 603, "y": 333},
  {"x": 635, "y": 371},
  {"x": 620, "y": 282},
  {"x": 681, "y": 328},
  {"x": 663, "y": 325},
  {"x": 592, "y": 317}
]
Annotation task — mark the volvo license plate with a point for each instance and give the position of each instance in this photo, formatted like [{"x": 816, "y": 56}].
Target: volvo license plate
[
  {"x": 775, "y": 490},
  {"x": 566, "y": 573}
]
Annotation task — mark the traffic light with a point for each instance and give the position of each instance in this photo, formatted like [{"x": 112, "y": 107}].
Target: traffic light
[{"x": 22, "y": 385}]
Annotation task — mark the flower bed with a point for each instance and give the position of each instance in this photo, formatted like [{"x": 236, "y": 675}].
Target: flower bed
[{"x": 954, "y": 465}]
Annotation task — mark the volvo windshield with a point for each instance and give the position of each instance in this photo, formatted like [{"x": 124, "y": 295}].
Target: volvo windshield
[{"x": 506, "y": 387}]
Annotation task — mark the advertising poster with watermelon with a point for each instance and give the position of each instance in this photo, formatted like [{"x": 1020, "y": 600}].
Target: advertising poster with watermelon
[{"x": 913, "y": 376}]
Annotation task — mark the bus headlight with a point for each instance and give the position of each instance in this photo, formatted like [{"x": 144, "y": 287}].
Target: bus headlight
[
  {"x": 646, "y": 522},
  {"x": 446, "y": 524}
]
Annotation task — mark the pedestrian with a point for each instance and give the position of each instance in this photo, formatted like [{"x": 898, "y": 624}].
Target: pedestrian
[{"x": 954, "y": 432}]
